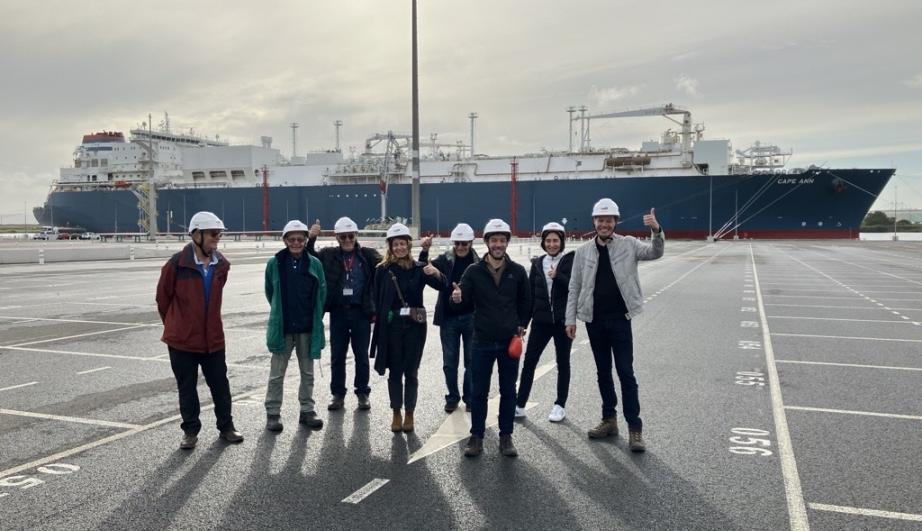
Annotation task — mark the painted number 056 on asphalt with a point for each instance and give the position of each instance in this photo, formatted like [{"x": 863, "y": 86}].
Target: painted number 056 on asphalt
[
  {"x": 27, "y": 482},
  {"x": 750, "y": 441}
]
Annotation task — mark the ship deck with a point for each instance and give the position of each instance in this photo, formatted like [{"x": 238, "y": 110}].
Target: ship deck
[{"x": 807, "y": 352}]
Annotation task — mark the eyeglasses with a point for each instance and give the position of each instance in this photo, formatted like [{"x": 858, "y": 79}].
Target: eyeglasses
[
  {"x": 462, "y": 244},
  {"x": 295, "y": 240},
  {"x": 344, "y": 237}
]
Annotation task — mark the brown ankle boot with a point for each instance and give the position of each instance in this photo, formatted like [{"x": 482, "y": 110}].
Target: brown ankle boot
[
  {"x": 408, "y": 422},
  {"x": 397, "y": 422}
]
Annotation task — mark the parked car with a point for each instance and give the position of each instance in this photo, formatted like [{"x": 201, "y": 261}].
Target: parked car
[{"x": 89, "y": 236}]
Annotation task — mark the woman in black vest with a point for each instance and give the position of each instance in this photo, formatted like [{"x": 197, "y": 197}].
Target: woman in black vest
[
  {"x": 550, "y": 281},
  {"x": 400, "y": 328}
]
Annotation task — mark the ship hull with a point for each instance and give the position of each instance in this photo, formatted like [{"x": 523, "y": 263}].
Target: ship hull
[{"x": 813, "y": 204}]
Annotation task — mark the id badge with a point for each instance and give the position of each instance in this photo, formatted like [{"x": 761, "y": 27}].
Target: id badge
[
  {"x": 347, "y": 292},
  {"x": 404, "y": 312}
]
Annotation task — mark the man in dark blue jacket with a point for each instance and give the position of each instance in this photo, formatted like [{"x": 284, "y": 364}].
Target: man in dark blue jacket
[{"x": 497, "y": 290}]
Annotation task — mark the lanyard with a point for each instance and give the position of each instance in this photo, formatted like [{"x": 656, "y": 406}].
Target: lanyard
[{"x": 347, "y": 265}]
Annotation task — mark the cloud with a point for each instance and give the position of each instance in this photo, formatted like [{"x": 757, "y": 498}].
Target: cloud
[
  {"x": 605, "y": 96},
  {"x": 915, "y": 82},
  {"x": 687, "y": 84}
]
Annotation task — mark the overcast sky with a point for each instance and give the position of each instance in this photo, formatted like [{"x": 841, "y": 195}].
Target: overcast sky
[{"x": 839, "y": 82}]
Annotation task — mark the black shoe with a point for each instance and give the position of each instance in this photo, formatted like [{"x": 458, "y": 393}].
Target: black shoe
[
  {"x": 274, "y": 423},
  {"x": 364, "y": 403},
  {"x": 474, "y": 446},
  {"x": 450, "y": 407},
  {"x": 336, "y": 403},
  {"x": 232, "y": 436},
  {"x": 310, "y": 420},
  {"x": 188, "y": 441},
  {"x": 506, "y": 447}
]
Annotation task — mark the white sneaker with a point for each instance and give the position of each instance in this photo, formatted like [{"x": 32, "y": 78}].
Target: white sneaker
[
  {"x": 520, "y": 412},
  {"x": 557, "y": 414}
]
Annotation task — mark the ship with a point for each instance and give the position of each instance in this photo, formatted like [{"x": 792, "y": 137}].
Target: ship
[{"x": 700, "y": 187}]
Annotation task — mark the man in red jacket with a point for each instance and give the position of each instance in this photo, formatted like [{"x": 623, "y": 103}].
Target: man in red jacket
[{"x": 189, "y": 301}]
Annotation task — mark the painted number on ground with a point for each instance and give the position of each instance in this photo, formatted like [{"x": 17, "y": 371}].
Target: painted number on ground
[
  {"x": 750, "y": 378},
  {"x": 28, "y": 481},
  {"x": 750, "y": 441},
  {"x": 750, "y": 345}
]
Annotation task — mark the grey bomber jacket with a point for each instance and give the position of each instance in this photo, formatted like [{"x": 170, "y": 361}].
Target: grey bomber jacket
[{"x": 624, "y": 252}]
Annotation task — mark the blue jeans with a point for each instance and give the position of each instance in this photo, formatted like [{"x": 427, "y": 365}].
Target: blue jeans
[
  {"x": 482, "y": 357},
  {"x": 453, "y": 329},
  {"x": 349, "y": 324},
  {"x": 613, "y": 338}
]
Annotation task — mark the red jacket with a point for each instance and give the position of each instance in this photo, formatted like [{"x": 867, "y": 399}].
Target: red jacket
[{"x": 181, "y": 303}]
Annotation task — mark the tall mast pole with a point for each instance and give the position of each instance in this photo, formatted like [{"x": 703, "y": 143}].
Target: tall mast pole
[{"x": 414, "y": 149}]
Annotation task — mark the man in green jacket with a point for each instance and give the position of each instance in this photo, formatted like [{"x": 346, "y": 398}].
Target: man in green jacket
[{"x": 295, "y": 289}]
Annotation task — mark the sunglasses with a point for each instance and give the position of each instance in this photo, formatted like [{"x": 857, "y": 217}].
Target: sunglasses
[
  {"x": 462, "y": 244},
  {"x": 345, "y": 237},
  {"x": 214, "y": 233},
  {"x": 295, "y": 240}
]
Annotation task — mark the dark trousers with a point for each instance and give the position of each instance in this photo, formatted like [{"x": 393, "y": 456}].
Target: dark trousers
[
  {"x": 538, "y": 339},
  {"x": 349, "y": 325},
  {"x": 483, "y": 355},
  {"x": 405, "y": 341},
  {"x": 185, "y": 368},
  {"x": 452, "y": 331},
  {"x": 613, "y": 338}
]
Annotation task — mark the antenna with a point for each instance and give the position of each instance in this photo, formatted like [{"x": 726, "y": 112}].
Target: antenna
[
  {"x": 473, "y": 116},
  {"x": 294, "y": 138},
  {"x": 570, "y": 110},
  {"x": 337, "y": 124}
]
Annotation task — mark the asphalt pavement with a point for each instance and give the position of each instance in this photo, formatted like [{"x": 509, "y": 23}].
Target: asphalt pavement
[{"x": 779, "y": 387}]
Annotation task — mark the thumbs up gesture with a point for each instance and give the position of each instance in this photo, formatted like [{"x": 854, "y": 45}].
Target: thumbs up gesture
[
  {"x": 430, "y": 269},
  {"x": 314, "y": 230},
  {"x": 650, "y": 220},
  {"x": 456, "y": 293},
  {"x": 425, "y": 243}
]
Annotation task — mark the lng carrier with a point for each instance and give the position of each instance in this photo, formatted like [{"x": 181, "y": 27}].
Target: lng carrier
[{"x": 700, "y": 187}]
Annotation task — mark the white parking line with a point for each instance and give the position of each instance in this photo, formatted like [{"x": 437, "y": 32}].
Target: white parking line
[
  {"x": 94, "y": 370},
  {"x": 836, "y": 319},
  {"x": 855, "y": 365},
  {"x": 366, "y": 491},
  {"x": 18, "y": 386},
  {"x": 76, "y": 336},
  {"x": 797, "y": 511},
  {"x": 121, "y": 357},
  {"x": 866, "y": 512},
  {"x": 849, "y": 337},
  {"x": 63, "y": 418},
  {"x": 850, "y": 412},
  {"x": 826, "y": 306}
]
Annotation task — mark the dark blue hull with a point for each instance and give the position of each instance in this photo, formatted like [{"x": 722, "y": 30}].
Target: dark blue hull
[{"x": 814, "y": 204}]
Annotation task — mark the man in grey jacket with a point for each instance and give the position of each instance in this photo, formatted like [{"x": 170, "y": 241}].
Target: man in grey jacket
[{"x": 605, "y": 294}]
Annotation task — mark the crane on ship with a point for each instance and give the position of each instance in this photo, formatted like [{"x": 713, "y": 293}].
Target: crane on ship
[{"x": 666, "y": 111}]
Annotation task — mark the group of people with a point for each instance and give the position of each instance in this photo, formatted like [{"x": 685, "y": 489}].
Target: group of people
[{"x": 484, "y": 307}]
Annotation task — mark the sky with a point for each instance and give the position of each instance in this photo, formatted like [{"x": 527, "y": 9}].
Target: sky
[{"x": 837, "y": 81}]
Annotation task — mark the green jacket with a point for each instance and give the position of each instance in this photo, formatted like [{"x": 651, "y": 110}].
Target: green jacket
[{"x": 275, "y": 332}]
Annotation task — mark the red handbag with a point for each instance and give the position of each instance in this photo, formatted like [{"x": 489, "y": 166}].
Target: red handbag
[{"x": 515, "y": 347}]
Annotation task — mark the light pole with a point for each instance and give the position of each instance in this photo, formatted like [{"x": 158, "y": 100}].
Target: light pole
[{"x": 414, "y": 149}]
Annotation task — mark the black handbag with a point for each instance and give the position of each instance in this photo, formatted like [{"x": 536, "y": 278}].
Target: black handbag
[{"x": 417, "y": 315}]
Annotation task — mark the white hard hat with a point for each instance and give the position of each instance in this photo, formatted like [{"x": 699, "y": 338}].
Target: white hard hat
[
  {"x": 344, "y": 225},
  {"x": 496, "y": 226},
  {"x": 398, "y": 230},
  {"x": 605, "y": 207},
  {"x": 294, "y": 226},
  {"x": 205, "y": 221},
  {"x": 462, "y": 233},
  {"x": 552, "y": 227}
]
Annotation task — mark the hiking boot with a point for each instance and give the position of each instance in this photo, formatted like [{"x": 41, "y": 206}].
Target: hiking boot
[
  {"x": 450, "y": 407},
  {"x": 506, "y": 447},
  {"x": 520, "y": 412},
  {"x": 397, "y": 421},
  {"x": 188, "y": 441},
  {"x": 557, "y": 414},
  {"x": 310, "y": 419},
  {"x": 408, "y": 425},
  {"x": 232, "y": 436},
  {"x": 605, "y": 428},
  {"x": 274, "y": 422},
  {"x": 336, "y": 403},
  {"x": 364, "y": 403},
  {"x": 474, "y": 446},
  {"x": 635, "y": 441}
]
